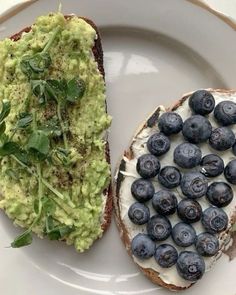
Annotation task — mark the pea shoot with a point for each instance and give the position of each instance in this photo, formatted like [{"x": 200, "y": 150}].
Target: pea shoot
[{"x": 39, "y": 62}]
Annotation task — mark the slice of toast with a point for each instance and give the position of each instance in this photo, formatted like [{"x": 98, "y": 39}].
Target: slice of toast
[
  {"x": 126, "y": 174},
  {"x": 97, "y": 51}
]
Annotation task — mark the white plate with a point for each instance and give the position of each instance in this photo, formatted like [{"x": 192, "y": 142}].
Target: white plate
[{"x": 155, "y": 50}]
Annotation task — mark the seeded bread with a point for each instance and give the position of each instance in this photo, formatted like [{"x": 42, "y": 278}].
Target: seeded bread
[
  {"x": 98, "y": 55},
  {"x": 122, "y": 198}
]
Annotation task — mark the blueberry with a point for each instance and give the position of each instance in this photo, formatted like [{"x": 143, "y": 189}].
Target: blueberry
[
  {"x": 148, "y": 166},
  {"x": 219, "y": 194},
  {"x": 230, "y": 172},
  {"x": 190, "y": 266},
  {"x": 169, "y": 176},
  {"x": 197, "y": 129},
  {"x": 234, "y": 148},
  {"x": 170, "y": 123},
  {"x": 166, "y": 255},
  {"x": 142, "y": 246},
  {"x": 139, "y": 213},
  {"x": 142, "y": 190},
  {"x": 212, "y": 165},
  {"x": 214, "y": 220},
  {"x": 193, "y": 185},
  {"x": 202, "y": 102},
  {"x": 158, "y": 228},
  {"x": 225, "y": 113},
  {"x": 164, "y": 202},
  {"x": 189, "y": 211},
  {"x": 222, "y": 138},
  {"x": 158, "y": 144},
  {"x": 207, "y": 244},
  {"x": 183, "y": 234},
  {"x": 187, "y": 155}
]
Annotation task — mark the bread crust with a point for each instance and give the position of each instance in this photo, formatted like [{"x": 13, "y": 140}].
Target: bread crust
[
  {"x": 98, "y": 55},
  {"x": 119, "y": 177}
]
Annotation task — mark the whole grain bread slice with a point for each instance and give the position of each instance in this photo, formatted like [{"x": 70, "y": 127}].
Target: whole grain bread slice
[
  {"x": 121, "y": 191},
  {"x": 98, "y": 56}
]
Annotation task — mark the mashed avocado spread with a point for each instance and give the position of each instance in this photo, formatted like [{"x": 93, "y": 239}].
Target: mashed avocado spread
[{"x": 53, "y": 169}]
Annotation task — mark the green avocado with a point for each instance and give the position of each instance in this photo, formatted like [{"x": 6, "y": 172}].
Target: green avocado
[{"x": 53, "y": 168}]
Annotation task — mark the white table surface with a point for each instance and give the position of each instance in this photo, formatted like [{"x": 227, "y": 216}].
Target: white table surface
[{"x": 227, "y": 7}]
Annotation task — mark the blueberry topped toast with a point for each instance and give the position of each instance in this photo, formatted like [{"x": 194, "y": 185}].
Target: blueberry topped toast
[{"x": 174, "y": 188}]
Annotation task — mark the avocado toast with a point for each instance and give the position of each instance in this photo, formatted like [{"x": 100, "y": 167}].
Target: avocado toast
[
  {"x": 140, "y": 215},
  {"x": 55, "y": 171}
]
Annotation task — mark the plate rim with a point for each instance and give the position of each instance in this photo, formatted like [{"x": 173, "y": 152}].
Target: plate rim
[
  {"x": 224, "y": 18},
  {"x": 16, "y": 9}
]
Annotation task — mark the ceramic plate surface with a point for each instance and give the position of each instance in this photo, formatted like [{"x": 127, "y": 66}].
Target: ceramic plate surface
[{"x": 155, "y": 50}]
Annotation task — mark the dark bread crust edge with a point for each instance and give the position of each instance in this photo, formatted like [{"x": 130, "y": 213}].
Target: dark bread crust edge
[
  {"x": 98, "y": 55},
  {"x": 149, "y": 122}
]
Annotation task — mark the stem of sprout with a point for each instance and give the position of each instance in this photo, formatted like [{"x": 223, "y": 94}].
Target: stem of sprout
[
  {"x": 62, "y": 125},
  {"x": 47, "y": 184},
  {"x": 51, "y": 40}
]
